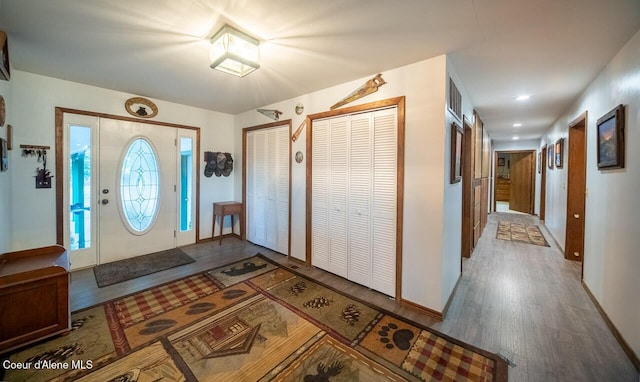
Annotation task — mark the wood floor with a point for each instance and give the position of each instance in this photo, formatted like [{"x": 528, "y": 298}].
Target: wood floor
[{"x": 522, "y": 301}]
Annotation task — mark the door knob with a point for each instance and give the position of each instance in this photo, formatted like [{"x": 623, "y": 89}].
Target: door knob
[
  {"x": 105, "y": 191},
  {"x": 576, "y": 216},
  {"x": 104, "y": 201}
]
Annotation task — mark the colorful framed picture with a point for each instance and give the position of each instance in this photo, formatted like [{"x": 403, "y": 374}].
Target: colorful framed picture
[
  {"x": 559, "y": 151},
  {"x": 610, "y": 129},
  {"x": 550, "y": 152},
  {"x": 456, "y": 153}
]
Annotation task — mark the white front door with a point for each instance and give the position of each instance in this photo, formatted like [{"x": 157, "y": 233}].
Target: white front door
[{"x": 137, "y": 189}]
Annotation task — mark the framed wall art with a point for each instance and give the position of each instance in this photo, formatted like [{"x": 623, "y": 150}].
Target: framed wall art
[
  {"x": 456, "y": 153},
  {"x": 5, "y": 69},
  {"x": 610, "y": 130},
  {"x": 550, "y": 151},
  {"x": 559, "y": 151}
]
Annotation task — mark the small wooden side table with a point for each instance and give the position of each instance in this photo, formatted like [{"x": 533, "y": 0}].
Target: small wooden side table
[{"x": 222, "y": 209}]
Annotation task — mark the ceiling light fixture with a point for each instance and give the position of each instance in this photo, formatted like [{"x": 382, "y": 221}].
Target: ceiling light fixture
[
  {"x": 234, "y": 52},
  {"x": 516, "y": 138},
  {"x": 518, "y": 124},
  {"x": 523, "y": 97}
]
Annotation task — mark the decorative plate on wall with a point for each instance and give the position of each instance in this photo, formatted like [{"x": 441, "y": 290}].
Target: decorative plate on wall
[{"x": 137, "y": 106}]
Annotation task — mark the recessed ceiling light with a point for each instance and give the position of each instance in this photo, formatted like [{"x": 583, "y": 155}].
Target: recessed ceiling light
[
  {"x": 516, "y": 138},
  {"x": 517, "y": 124},
  {"x": 523, "y": 97}
]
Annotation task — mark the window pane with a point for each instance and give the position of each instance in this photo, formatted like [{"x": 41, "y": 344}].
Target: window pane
[
  {"x": 186, "y": 186},
  {"x": 80, "y": 187},
  {"x": 139, "y": 185}
]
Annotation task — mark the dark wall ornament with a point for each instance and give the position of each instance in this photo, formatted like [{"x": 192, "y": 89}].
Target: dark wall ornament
[
  {"x": 610, "y": 139},
  {"x": 137, "y": 106},
  {"x": 218, "y": 163}
]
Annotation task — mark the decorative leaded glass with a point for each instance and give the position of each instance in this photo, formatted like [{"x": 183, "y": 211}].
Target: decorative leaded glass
[{"x": 139, "y": 185}]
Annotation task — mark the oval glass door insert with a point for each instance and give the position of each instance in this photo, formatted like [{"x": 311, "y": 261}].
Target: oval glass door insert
[{"x": 139, "y": 186}]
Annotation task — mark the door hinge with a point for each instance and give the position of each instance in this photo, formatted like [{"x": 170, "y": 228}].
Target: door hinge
[
  {"x": 175, "y": 142},
  {"x": 175, "y": 188},
  {"x": 174, "y": 233}
]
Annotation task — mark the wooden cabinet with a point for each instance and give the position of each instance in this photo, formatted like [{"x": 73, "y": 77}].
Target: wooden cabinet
[
  {"x": 503, "y": 188},
  {"x": 34, "y": 295}
]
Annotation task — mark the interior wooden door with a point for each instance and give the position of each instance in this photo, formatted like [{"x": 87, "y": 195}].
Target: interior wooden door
[
  {"x": 521, "y": 190},
  {"x": 576, "y": 186}
]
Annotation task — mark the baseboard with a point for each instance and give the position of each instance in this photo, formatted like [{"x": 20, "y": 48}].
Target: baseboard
[
  {"x": 625, "y": 346},
  {"x": 423, "y": 309},
  {"x": 226, "y": 235},
  {"x": 453, "y": 292}
]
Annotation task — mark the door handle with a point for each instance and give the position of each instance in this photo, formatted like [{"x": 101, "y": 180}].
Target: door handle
[
  {"x": 104, "y": 201},
  {"x": 576, "y": 216}
]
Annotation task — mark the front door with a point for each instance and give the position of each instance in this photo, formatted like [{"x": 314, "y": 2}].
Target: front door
[
  {"x": 521, "y": 190},
  {"x": 137, "y": 185}
]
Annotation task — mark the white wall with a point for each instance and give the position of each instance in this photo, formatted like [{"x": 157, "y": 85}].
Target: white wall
[
  {"x": 519, "y": 145},
  {"x": 5, "y": 177},
  {"x": 34, "y": 99},
  {"x": 426, "y": 247},
  {"x": 612, "y": 221}
]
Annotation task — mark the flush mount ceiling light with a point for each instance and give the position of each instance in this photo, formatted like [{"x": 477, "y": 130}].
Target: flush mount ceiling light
[
  {"x": 523, "y": 97},
  {"x": 515, "y": 138},
  {"x": 234, "y": 52},
  {"x": 517, "y": 124}
]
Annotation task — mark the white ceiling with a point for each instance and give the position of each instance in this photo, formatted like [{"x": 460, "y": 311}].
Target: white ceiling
[{"x": 550, "y": 49}]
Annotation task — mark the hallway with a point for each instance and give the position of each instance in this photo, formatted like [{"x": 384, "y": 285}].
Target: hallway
[{"x": 522, "y": 301}]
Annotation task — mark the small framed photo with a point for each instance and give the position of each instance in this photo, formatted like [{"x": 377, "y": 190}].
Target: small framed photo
[
  {"x": 500, "y": 162},
  {"x": 559, "y": 153},
  {"x": 456, "y": 153},
  {"x": 610, "y": 129},
  {"x": 550, "y": 152}
]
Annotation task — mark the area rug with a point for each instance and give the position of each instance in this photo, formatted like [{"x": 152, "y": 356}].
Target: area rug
[
  {"x": 529, "y": 234},
  {"x": 249, "y": 321},
  {"x": 123, "y": 270}
]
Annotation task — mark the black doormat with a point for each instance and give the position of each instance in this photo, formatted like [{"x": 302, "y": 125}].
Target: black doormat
[{"x": 123, "y": 270}]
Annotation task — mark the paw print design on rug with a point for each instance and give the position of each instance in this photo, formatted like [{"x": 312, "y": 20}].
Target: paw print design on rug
[
  {"x": 390, "y": 338},
  {"x": 400, "y": 338}
]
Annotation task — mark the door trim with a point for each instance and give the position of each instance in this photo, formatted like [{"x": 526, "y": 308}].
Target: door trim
[
  {"x": 59, "y": 132},
  {"x": 244, "y": 177},
  {"x": 467, "y": 189},
  {"x": 543, "y": 183}
]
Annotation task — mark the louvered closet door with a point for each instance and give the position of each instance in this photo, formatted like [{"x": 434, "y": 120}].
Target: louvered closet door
[
  {"x": 320, "y": 195},
  {"x": 268, "y": 188},
  {"x": 384, "y": 200},
  {"x": 338, "y": 183},
  {"x": 359, "y": 199},
  {"x": 354, "y": 201}
]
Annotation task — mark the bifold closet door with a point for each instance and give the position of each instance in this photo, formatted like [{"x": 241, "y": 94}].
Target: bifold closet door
[
  {"x": 268, "y": 188},
  {"x": 353, "y": 197}
]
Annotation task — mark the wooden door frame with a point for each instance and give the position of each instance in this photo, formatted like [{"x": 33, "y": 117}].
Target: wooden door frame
[
  {"x": 467, "y": 188},
  {"x": 60, "y": 142},
  {"x": 398, "y": 102},
  {"x": 579, "y": 122},
  {"x": 532, "y": 195},
  {"x": 244, "y": 178}
]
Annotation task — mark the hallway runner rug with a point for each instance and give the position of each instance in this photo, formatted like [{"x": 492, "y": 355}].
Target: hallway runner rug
[
  {"x": 127, "y": 269},
  {"x": 529, "y": 234},
  {"x": 252, "y": 320}
]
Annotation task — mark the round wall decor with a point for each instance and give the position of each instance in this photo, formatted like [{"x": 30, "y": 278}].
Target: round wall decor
[
  {"x": 299, "y": 157},
  {"x": 299, "y": 108},
  {"x": 137, "y": 106}
]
